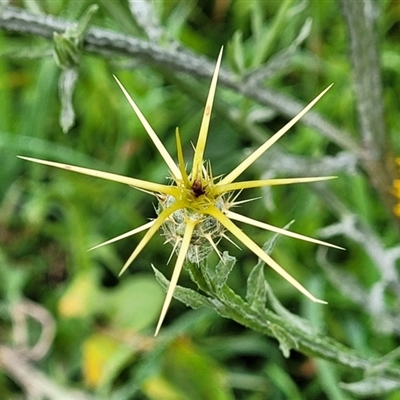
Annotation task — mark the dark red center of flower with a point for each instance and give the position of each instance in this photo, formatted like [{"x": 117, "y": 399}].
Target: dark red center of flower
[{"x": 198, "y": 188}]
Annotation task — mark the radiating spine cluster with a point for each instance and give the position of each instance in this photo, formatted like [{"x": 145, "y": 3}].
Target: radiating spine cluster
[{"x": 194, "y": 212}]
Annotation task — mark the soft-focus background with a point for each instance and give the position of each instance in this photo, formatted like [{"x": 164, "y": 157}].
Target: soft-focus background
[{"x": 278, "y": 56}]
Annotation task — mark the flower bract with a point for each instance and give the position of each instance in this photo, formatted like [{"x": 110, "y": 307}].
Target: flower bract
[{"x": 194, "y": 212}]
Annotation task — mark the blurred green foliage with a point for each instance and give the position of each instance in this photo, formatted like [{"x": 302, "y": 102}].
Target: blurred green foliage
[{"x": 49, "y": 218}]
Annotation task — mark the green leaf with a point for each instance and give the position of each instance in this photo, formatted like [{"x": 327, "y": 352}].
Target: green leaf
[
  {"x": 208, "y": 278},
  {"x": 267, "y": 36},
  {"x": 230, "y": 298},
  {"x": 256, "y": 288},
  {"x": 223, "y": 269},
  {"x": 84, "y": 20},
  {"x": 198, "y": 276},
  {"x": 236, "y": 53},
  {"x": 282, "y": 379},
  {"x": 285, "y": 339},
  {"x": 372, "y": 386},
  {"x": 65, "y": 51},
  {"x": 66, "y": 46},
  {"x": 187, "y": 296},
  {"x": 279, "y": 309}
]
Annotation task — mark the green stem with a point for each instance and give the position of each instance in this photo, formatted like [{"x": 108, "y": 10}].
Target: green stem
[{"x": 304, "y": 339}]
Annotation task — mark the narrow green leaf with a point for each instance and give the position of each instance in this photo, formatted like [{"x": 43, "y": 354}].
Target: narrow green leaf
[
  {"x": 65, "y": 51},
  {"x": 187, "y": 296},
  {"x": 191, "y": 298},
  {"x": 282, "y": 379},
  {"x": 270, "y": 244},
  {"x": 256, "y": 288},
  {"x": 223, "y": 269},
  {"x": 84, "y": 21},
  {"x": 199, "y": 275},
  {"x": 328, "y": 376},
  {"x": 276, "y": 306},
  {"x": 236, "y": 53},
  {"x": 208, "y": 279},
  {"x": 232, "y": 300}
]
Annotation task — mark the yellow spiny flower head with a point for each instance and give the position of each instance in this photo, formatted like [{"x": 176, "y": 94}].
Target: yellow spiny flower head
[{"x": 194, "y": 212}]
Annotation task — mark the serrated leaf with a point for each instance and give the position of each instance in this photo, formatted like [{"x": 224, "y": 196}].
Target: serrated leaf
[
  {"x": 187, "y": 296},
  {"x": 256, "y": 288},
  {"x": 197, "y": 275},
  {"x": 285, "y": 339},
  {"x": 223, "y": 269},
  {"x": 279, "y": 309},
  {"x": 208, "y": 279},
  {"x": 191, "y": 298},
  {"x": 231, "y": 299}
]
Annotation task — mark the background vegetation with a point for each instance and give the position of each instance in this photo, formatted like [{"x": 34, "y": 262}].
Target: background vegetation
[{"x": 69, "y": 327}]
